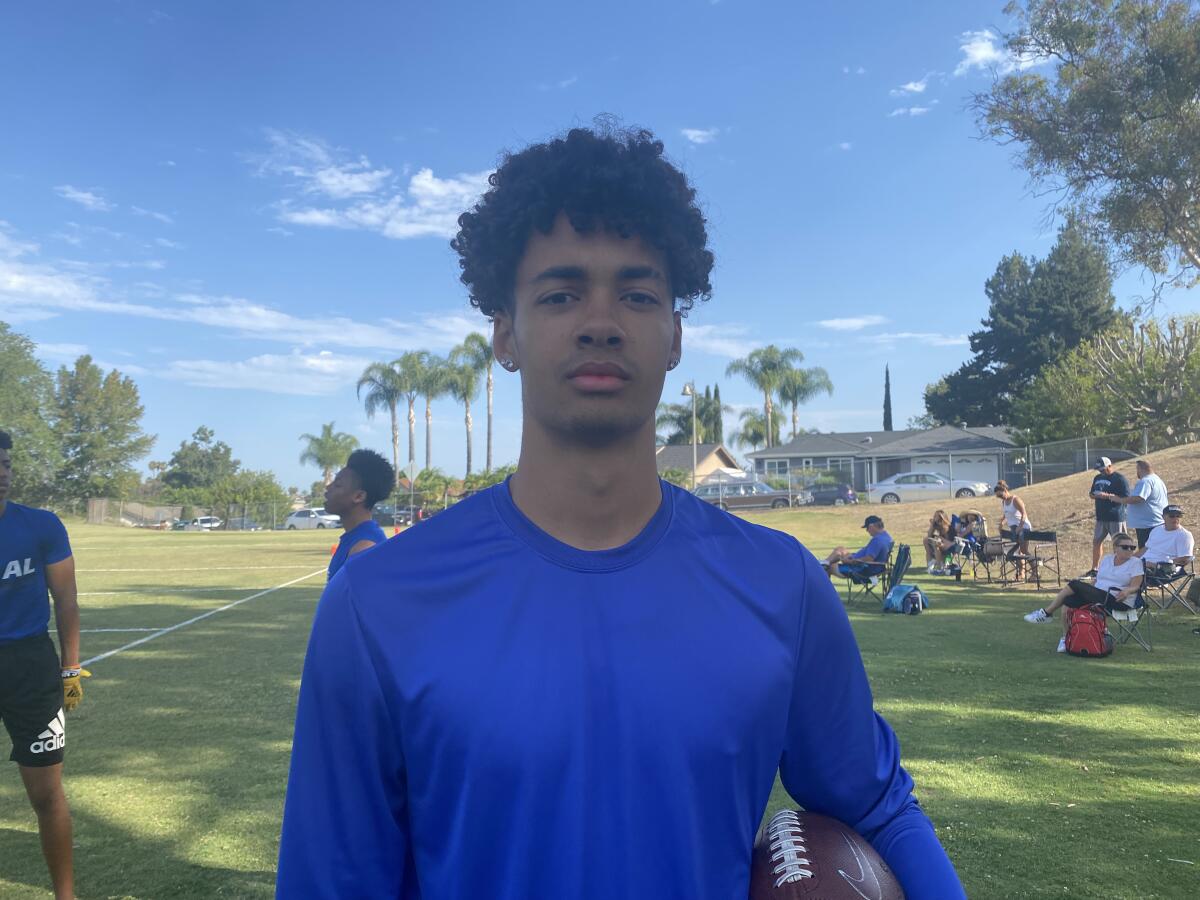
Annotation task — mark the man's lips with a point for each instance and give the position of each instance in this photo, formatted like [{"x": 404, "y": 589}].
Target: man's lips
[{"x": 598, "y": 377}]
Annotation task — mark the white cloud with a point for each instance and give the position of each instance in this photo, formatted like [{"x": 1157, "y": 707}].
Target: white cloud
[
  {"x": 929, "y": 338},
  {"x": 700, "y": 135},
  {"x": 319, "y": 168},
  {"x": 728, "y": 340},
  {"x": 11, "y": 247},
  {"x": 297, "y": 373},
  {"x": 170, "y": 245},
  {"x": 430, "y": 207},
  {"x": 845, "y": 145},
  {"x": 169, "y": 163},
  {"x": 985, "y": 51},
  {"x": 855, "y": 323},
  {"x": 151, "y": 214},
  {"x": 909, "y": 111},
  {"x": 846, "y": 70},
  {"x": 86, "y": 199},
  {"x": 275, "y": 229},
  {"x": 912, "y": 87}
]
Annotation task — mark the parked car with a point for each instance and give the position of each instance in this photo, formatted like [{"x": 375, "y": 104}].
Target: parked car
[
  {"x": 204, "y": 523},
  {"x": 833, "y": 494},
  {"x": 242, "y": 523},
  {"x": 911, "y": 486},
  {"x": 743, "y": 495},
  {"x": 389, "y": 516},
  {"x": 314, "y": 517}
]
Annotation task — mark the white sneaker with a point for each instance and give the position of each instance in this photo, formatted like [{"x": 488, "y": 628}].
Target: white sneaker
[
  {"x": 1062, "y": 645},
  {"x": 1038, "y": 615},
  {"x": 931, "y": 567},
  {"x": 874, "y": 581}
]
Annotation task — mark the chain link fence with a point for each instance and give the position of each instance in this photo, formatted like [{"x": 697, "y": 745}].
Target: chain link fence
[{"x": 229, "y": 517}]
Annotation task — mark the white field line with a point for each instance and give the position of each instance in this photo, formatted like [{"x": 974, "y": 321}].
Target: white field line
[
  {"x": 201, "y": 569},
  {"x": 164, "y": 590},
  {"x": 194, "y": 619},
  {"x": 106, "y": 630}
]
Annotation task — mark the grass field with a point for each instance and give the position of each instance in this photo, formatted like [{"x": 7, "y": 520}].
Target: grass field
[{"x": 1045, "y": 775}]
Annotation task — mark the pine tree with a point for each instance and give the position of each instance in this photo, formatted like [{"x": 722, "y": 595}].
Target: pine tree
[
  {"x": 887, "y": 399},
  {"x": 718, "y": 419}
]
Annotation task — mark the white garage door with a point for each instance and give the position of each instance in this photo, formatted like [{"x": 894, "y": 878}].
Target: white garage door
[{"x": 980, "y": 467}]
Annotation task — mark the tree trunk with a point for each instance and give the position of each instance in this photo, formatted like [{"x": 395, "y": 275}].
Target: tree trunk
[
  {"x": 769, "y": 409},
  {"x": 467, "y": 419},
  {"x": 395, "y": 449},
  {"x": 428, "y": 432},
  {"x": 794, "y": 422},
  {"x": 412, "y": 432},
  {"x": 488, "y": 467},
  {"x": 328, "y": 475}
]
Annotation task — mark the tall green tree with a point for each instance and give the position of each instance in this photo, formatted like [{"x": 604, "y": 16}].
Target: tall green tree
[
  {"x": 98, "y": 423},
  {"x": 887, "y": 399},
  {"x": 200, "y": 462},
  {"x": 327, "y": 450},
  {"x": 717, "y": 420},
  {"x": 1112, "y": 124},
  {"x": 432, "y": 380},
  {"x": 765, "y": 368},
  {"x": 1036, "y": 313},
  {"x": 477, "y": 352},
  {"x": 754, "y": 431},
  {"x": 462, "y": 383},
  {"x": 410, "y": 365},
  {"x": 798, "y": 386},
  {"x": 386, "y": 388},
  {"x": 26, "y": 412}
]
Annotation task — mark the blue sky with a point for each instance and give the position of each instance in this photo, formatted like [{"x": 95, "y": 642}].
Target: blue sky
[{"x": 241, "y": 205}]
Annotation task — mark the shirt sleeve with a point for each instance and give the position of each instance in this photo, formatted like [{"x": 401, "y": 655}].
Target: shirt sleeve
[
  {"x": 1142, "y": 488},
  {"x": 1120, "y": 487},
  {"x": 842, "y": 759},
  {"x": 56, "y": 545},
  {"x": 344, "y": 821}
]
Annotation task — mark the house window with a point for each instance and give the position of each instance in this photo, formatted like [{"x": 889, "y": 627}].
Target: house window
[
  {"x": 777, "y": 467},
  {"x": 806, "y": 463},
  {"x": 840, "y": 463}
]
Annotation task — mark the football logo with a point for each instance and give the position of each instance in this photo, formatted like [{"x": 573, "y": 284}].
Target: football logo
[{"x": 860, "y": 883}]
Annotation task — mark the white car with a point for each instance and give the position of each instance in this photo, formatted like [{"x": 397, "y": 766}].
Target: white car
[
  {"x": 912, "y": 486},
  {"x": 311, "y": 518},
  {"x": 204, "y": 523}
]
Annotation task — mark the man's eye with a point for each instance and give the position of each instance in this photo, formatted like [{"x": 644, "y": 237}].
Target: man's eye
[
  {"x": 556, "y": 299},
  {"x": 641, "y": 298}
]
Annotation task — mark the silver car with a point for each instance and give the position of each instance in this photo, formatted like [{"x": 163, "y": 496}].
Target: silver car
[{"x": 913, "y": 486}]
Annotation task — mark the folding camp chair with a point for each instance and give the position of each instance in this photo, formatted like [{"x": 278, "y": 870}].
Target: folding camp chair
[
  {"x": 1043, "y": 557},
  {"x": 1171, "y": 584},
  {"x": 862, "y": 578},
  {"x": 1130, "y": 623}
]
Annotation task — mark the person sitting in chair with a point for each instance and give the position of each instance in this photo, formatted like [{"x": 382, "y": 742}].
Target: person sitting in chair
[
  {"x": 939, "y": 540},
  {"x": 1118, "y": 580},
  {"x": 1169, "y": 546},
  {"x": 842, "y": 562}
]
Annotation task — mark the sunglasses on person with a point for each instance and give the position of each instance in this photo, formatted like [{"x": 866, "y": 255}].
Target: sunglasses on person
[{"x": 1125, "y": 546}]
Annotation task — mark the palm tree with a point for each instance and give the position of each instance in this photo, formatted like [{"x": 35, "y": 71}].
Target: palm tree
[
  {"x": 764, "y": 368},
  {"x": 431, "y": 382},
  {"x": 410, "y": 366},
  {"x": 754, "y": 430},
  {"x": 328, "y": 450},
  {"x": 801, "y": 385},
  {"x": 386, "y": 387},
  {"x": 462, "y": 383},
  {"x": 677, "y": 418},
  {"x": 476, "y": 353}
]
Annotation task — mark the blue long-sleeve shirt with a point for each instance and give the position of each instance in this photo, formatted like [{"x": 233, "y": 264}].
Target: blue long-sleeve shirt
[{"x": 486, "y": 711}]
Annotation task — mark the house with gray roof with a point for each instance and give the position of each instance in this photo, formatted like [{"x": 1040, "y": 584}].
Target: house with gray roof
[
  {"x": 711, "y": 459},
  {"x": 860, "y": 457}
]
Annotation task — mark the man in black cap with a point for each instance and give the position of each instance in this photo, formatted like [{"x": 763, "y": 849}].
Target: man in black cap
[
  {"x": 841, "y": 561},
  {"x": 1169, "y": 544},
  {"x": 1107, "y": 487}
]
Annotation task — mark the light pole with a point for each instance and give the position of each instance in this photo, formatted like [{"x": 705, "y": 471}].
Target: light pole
[{"x": 689, "y": 390}]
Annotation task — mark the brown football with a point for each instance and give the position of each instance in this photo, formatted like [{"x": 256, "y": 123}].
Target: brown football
[{"x": 803, "y": 855}]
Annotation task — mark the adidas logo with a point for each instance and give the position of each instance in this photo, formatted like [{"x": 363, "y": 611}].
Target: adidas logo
[{"x": 53, "y": 738}]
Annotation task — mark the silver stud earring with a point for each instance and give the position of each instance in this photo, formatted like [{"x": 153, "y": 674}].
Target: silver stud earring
[
  {"x": 672, "y": 363},
  {"x": 508, "y": 364}
]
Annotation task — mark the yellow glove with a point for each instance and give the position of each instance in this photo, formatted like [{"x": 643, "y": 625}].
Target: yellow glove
[{"x": 73, "y": 687}]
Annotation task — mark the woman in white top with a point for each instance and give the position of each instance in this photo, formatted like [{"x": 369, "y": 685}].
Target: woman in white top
[
  {"x": 1017, "y": 520},
  {"x": 1118, "y": 580}
]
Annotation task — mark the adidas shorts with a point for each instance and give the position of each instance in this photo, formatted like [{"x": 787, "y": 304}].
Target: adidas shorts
[{"x": 31, "y": 698}]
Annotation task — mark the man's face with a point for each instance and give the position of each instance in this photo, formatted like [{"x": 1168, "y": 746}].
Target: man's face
[
  {"x": 1172, "y": 522},
  {"x": 5, "y": 473},
  {"x": 874, "y": 529},
  {"x": 592, "y": 331},
  {"x": 1108, "y": 470},
  {"x": 344, "y": 493}
]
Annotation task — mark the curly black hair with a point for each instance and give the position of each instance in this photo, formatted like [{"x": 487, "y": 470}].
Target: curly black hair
[
  {"x": 602, "y": 178},
  {"x": 5, "y": 440},
  {"x": 375, "y": 474}
]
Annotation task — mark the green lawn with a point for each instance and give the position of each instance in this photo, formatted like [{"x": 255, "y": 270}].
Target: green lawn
[{"x": 1045, "y": 775}]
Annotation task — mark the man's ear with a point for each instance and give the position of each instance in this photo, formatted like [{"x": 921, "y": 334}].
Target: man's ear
[
  {"x": 677, "y": 339},
  {"x": 504, "y": 343}
]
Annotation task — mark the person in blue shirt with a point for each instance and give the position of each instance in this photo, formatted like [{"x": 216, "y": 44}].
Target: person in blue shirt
[
  {"x": 1145, "y": 502},
  {"x": 365, "y": 480},
  {"x": 879, "y": 544},
  {"x": 581, "y": 682},
  {"x": 38, "y": 683}
]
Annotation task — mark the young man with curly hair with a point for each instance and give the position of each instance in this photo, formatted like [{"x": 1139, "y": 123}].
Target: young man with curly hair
[
  {"x": 37, "y": 683},
  {"x": 582, "y": 682}
]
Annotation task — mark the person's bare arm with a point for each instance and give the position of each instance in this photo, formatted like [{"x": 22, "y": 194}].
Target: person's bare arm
[
  {"x": 360, "y": 547},
  {"x": 60, "y": 578}
]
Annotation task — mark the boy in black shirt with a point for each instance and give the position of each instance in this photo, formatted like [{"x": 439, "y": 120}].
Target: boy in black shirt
[{"x": 1110, "y": 514}]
